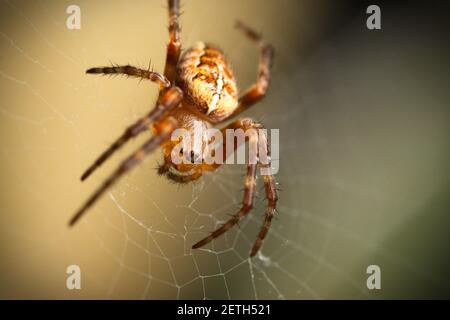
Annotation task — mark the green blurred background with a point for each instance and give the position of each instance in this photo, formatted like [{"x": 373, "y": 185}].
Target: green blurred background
[{"x": 364, "y": 154}]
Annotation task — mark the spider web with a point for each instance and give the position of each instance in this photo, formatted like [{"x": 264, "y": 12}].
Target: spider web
[{"x": 136, "y": 242}]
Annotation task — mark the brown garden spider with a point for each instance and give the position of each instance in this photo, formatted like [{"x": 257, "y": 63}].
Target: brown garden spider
[{"x": 199, "y": 86}]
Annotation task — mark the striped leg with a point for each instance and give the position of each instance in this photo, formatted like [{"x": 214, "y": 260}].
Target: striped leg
[
  {"x": 250, "y": 184},
  {"x": 166, "y": 128},
  {"x": 168, "y": 101},
  {"x": 257, "y": 91},
  {"x": 271, "y": 195},
  {"x": 244, "y": 124},
  {"x": 270, "y": 190},
  {"x": 247, "y": 205},
  {"x": 174, "y": 45},
  {"x": 132, "y": 72}
]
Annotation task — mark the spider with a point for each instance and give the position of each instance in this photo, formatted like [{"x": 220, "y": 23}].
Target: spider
[{"x": 198, "y": 86}]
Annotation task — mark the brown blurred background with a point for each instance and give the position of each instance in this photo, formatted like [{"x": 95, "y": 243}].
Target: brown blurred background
[{"x": 364, "y": 158}]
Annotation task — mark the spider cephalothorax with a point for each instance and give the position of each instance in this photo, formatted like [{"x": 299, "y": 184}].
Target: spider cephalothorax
[{"x": 197, "y": 90}]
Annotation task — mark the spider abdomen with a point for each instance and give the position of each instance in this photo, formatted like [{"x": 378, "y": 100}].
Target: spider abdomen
[{"x": 208, "y": 81}]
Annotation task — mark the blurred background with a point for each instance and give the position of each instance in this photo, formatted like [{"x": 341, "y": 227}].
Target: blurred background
[{"x": 364, "y": 155}]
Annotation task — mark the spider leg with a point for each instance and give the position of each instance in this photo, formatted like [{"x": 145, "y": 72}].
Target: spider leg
[
  {"x": 244, "y": 124},
  {"x": 166, "y": 127},
  {"x": 131, "y": 71},
  {"x": 174, "y": 45},
  {"x": 249, "y": 191},
  {"x": 247, "y": 205},
  {"x": 257, "y": 91},
  {"x": 184, "y": 178},
  {"x": 188, "y": 176},
  {"x": 169, "y": 100},
  {"x": 271, "y": 195}
]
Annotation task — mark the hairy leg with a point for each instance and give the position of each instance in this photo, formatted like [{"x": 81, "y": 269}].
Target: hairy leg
[
  {"x": 271, "y": 196},
  {"x": 257, "y": 91},
  {"x": 244, "y": 124},
  {"x": 166, "y": 128},
  {"x": 247, "y": 205},
  {"x": 131, "y": 71},
  {"x": 174, "y": 45},
  {"x": 250, "y": 183},
  {"x": 168, "y": 101}
]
